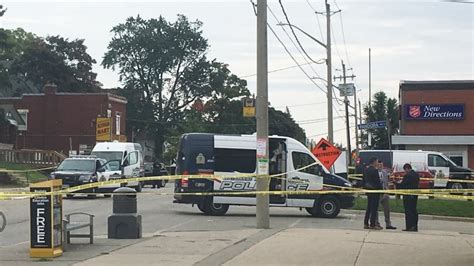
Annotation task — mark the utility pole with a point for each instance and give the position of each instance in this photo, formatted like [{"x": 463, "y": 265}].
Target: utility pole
[
  {"x": 346, "y": 104},
  {"x": 329, "y": 73},
  {"x": 263, "y": 212},
  {"x": 370, "y": 80},
  {"x": 356, "y": 130}
]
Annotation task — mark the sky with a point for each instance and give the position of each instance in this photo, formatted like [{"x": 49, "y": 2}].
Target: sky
[{"x": 409, "y": 40}]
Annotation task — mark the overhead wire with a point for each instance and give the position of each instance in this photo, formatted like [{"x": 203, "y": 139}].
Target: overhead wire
[
  {"x": 293, "y": 32},
  {"x": 317, "y": 18},
  {"x": 278, "y": 69},
  {"x": 293, "y": 42}
]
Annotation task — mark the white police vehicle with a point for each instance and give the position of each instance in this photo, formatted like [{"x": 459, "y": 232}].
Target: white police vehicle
[{"x": 231, "y": 155}]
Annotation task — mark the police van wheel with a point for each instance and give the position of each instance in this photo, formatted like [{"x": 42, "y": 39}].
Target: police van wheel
[
  {"x": 209, "y": 208},
  {"x": 328, "y": 207}
]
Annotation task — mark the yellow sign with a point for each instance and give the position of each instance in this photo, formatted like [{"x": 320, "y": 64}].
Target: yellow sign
[
  {"x": 249, "y": 111},
  {"x": 103, "y": 129},
  {"x": 249, "y": 107},
  {"x": 120, "y": 138}
]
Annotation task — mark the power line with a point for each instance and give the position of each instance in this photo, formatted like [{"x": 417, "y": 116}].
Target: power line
[
  {"x": 343, "y": 36},
  {"x": 278, "y": 69},
  {"x": 293, "y": 42},
  {"x": 293, "y": 31},
  {"x": 317, "y": 18},
  {"x": 292, "y": 57}
]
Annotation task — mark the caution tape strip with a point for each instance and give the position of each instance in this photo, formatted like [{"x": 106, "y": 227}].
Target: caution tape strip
[
  {"x": 357, "y": 177},
  {"x": 342, "y": 190}
]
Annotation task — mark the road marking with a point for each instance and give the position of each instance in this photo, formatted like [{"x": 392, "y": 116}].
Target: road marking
[
  {"x": 16, "y": 244},
  {"x": 295, "y": 223}
]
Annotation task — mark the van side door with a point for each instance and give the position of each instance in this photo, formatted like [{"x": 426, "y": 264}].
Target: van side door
[
  {"x": 441, "y": 167},
  {"x": 309, "y": 178}
]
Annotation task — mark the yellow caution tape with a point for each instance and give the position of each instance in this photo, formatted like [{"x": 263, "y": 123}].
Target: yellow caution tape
[{"x": 26, "y": 171}]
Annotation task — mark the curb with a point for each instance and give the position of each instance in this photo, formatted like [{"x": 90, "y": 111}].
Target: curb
[{"x": 422, "y": 216}]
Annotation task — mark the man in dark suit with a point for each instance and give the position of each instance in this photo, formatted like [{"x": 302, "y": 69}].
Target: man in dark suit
[
  {"x": 372, "y": 182},
  {"x": 411, "y": 180}
]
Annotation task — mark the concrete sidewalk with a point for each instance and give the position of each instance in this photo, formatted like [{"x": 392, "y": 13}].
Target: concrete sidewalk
[{"x": 296, "y": 246}]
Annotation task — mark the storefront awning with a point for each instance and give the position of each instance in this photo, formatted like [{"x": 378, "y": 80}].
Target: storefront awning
[{"x": 432, "y": 140}]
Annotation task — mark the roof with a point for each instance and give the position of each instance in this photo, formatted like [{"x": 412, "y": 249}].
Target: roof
[
  {"x": 110, "y": 96},
  {"x": 437, "y": 85},
  {"x": 12, "y": 115},
  {"x": 432, "y": 140}
]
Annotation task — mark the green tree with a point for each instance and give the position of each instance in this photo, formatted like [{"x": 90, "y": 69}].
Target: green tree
[
  {"x": 164, "y": 69},
  {"x": 28, "y": 62},
  {"x": 381, "y": 109},
  {"x": 2, "y": 10}
]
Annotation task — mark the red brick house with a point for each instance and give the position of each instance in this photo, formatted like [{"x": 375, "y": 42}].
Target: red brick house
[{"x": 65, "y": 122}]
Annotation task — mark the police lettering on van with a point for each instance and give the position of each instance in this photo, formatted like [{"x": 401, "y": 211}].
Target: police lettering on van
[{"x": 231, "y": 155}]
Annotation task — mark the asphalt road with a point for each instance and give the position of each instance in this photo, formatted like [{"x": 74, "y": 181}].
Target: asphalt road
[{"x": 159, "y": 214}]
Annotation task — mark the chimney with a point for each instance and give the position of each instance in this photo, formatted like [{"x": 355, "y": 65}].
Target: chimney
[{"x": 50, "y": 89}]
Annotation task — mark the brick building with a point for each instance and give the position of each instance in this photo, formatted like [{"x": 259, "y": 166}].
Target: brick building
[
  {"x": 438, "y": 116},
  {"x": 65, "y": 121}
]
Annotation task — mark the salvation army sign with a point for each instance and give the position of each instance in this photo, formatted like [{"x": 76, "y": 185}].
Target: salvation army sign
[{"x": 434, "y": 111}]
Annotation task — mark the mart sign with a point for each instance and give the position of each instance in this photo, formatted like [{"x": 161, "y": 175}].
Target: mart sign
[{"x": 103, "y": 129}]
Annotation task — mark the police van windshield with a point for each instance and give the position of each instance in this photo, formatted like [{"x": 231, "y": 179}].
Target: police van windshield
[{"x": 77, "y": 165}]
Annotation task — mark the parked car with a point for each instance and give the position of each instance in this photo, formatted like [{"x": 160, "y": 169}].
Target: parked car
[
  {"x": 155, "y": 169},
  {"x": 80, "y": 170}
]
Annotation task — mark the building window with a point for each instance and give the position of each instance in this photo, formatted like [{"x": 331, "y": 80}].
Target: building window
[
  {"x": 457, "y": 159},
  {"x": 117, "y": 124},
  {"x": 24, "y": 115}
]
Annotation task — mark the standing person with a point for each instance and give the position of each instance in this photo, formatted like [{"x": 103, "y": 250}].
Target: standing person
[
  {"x": 372, "y": 182},
  {"x": 385, "y": 198},
  {"x": 411, "y": 180}
]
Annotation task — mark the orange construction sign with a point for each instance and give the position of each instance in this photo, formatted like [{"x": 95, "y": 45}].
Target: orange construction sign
[{"x": 326, "y": 153}]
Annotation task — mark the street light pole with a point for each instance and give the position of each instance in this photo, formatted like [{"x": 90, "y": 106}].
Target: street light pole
[{"x": 263, "y": 212}]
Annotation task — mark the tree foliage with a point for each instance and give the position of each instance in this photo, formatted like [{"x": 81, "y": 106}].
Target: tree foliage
[
  {"x": 173, "y": 88},
  {"x": 28, "y": 62},
  {"x": 381, "y": 109}
]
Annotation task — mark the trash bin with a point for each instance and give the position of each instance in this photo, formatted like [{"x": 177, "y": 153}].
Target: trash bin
[
  {"x": 124, "y": 223},
  {"x": 125, "y": 201}
]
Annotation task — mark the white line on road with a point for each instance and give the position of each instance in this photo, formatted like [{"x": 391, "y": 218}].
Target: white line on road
[{"x": 295, "y": 223}]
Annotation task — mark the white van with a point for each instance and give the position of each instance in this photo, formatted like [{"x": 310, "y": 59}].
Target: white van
[
  {"x": 231, "y": 155},
  {"x": 125, "y": 158},
  {"x": 439, "y": 164}
]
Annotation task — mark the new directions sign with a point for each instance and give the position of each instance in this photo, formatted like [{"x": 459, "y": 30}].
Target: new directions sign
[{"x": 434, "y": 111}]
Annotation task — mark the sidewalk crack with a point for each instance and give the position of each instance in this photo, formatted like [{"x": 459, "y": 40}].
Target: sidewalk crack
[{"x": 360, "y": 249}]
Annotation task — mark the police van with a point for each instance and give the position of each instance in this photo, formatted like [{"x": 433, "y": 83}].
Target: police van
[{"x": 233, "y": 155}]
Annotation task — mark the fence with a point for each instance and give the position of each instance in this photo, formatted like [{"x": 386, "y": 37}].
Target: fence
[{"x": 32, "y": 157}]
